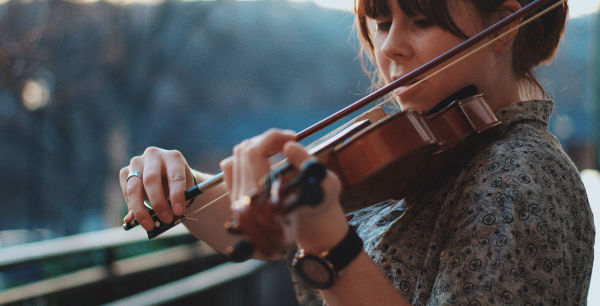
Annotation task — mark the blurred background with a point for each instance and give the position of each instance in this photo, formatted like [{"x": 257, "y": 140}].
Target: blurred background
[{"x": 86, "y": 85}]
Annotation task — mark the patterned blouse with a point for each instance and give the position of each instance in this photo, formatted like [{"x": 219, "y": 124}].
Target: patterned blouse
[{"x": 512, "y": 226}]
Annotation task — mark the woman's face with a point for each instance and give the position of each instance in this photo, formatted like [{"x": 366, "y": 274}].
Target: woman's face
[{"x": 404, "y": 43}]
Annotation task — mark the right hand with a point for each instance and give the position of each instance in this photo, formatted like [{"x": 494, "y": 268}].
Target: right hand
[{"x": 164, "y": 174}]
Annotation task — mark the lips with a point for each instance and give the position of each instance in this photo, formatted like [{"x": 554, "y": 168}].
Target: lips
[{"x": 407, "y": 84}]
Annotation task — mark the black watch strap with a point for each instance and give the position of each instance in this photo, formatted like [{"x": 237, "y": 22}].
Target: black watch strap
[
  {"x": 345, "y": 251},
  {"x": 320, "y": 270}
]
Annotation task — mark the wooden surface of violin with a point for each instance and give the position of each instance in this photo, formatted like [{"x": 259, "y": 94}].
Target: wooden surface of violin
[
  {"x": 397, "y": 154},
  {"x": 405, "y": 150}
]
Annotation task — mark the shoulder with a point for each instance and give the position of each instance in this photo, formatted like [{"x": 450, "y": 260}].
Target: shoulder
[
  {"x": 523, "y": 183},
  {"x": 523, "y": 153},
  {"x": 519, "y": 208},
  {"x": 525, "y": 164}
]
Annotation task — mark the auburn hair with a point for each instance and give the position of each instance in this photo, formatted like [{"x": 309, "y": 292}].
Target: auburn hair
[{"x": 534, "y": 43}]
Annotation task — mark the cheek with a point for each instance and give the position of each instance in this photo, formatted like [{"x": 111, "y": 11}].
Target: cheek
[
  {"x": 385, "y": 74},
  {"x": 436, "y": 45},
  {"x": 382, "y": 67},
  {"x": 383, "y": 64}
]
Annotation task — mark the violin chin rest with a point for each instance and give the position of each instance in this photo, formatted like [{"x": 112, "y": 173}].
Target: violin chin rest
[{"x": 242, "y": 250}]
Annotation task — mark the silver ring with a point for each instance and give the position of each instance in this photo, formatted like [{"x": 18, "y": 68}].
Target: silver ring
[{"x": 133, "y": 173}]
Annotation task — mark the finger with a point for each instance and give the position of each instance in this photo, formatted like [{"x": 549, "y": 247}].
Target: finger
[
  {"x": 271, "y": 141},
  {"x": 128, "y": 217},
  {"x": 176, "y": 170},
  {"x": 236, "y": 173},
  {"x": 135, "y": 196},
  {"x": 123, "y": 181},
  {"x": 153, "y": 184},
  {"x": 227, "y": 168},
  {"x": 251, "y": 171},
  {"x": 250, "y": 165},
  {"x": 251, "y": 160},
  {"x": 260, "y": 148},
  {"x": 295, "y": 153}
]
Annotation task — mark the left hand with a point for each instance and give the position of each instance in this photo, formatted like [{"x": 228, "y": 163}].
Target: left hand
[{"x": 250, "y": 163}]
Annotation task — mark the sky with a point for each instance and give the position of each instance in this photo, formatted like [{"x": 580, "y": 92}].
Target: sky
[{"x": 577, "y": 7}]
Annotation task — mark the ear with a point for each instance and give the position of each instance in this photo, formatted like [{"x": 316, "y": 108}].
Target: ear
[{"x": 506, "y": 9}]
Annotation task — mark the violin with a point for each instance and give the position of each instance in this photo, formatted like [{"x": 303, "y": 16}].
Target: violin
[
  {"x": 404, "y": 149},
  {"x": 401, "y": 150}
]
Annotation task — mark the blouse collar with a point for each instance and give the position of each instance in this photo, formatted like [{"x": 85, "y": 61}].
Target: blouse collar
[{"x": 533, "y": 110}]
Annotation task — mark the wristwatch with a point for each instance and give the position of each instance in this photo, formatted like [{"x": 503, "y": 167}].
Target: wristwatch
[{"x": 319, "y": 269}]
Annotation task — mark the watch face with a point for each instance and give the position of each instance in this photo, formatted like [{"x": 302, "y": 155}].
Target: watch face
[{"x": 315, "y": 271}]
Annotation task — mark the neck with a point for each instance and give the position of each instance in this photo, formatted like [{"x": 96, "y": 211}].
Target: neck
[{"x": 501, "y": 91}]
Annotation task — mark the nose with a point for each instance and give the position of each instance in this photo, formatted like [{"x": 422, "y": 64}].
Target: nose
[{"x": 396, "y": 45}]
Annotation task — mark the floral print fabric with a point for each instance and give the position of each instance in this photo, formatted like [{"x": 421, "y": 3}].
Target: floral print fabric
[{"x": 511, "y": 225}]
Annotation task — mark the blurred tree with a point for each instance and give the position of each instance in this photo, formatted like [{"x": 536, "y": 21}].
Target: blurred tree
[{"x": 197, "y": 76}]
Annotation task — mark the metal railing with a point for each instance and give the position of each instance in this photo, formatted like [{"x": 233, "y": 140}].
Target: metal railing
[{"x": 162, "y": 276}]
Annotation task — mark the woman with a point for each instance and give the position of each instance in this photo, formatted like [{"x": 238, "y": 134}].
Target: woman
[{"x": 509, "y": 224}]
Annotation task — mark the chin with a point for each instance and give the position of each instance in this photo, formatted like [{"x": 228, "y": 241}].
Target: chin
[
  {"x": 414, "y": 106},
  {"x": 419, "y": 99},
  {"x": 416, "y": 103}
]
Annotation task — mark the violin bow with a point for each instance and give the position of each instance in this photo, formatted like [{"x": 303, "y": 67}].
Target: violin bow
[
  {"x": 476, "y": 42},
  {"x": 409, "y": 77}
]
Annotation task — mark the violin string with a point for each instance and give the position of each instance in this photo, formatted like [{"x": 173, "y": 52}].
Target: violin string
[
  {"x": 443, "y": 68},
  {"x": 205, "y": 206}
]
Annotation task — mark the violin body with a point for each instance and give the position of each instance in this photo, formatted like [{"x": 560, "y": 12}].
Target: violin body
[
  {"x": 402, "y": 152},
  {"x": 365, "y": 159},
  {"x": 386, "y": 159}
]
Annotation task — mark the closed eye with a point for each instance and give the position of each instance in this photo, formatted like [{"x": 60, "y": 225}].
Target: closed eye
[
  {"x": 423, "y": 23},
  {"x": 384, "y": 26}
]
